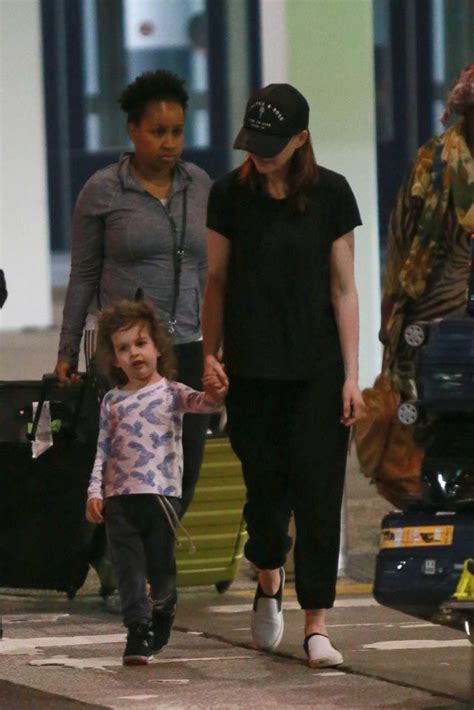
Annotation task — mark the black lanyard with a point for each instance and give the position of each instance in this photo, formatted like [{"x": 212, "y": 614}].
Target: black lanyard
[{"x": 178, "y": 254}]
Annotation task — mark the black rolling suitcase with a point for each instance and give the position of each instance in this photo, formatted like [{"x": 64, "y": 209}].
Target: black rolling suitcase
[
  {"x": 443, "y": 413},
  {"x": 444, "y": 369},
  {"x": 420, "y": 560},
  {"x": 45, "y": 541},
  {"x": 444, "y": 361},
  {"x": 445, "y": 366}
]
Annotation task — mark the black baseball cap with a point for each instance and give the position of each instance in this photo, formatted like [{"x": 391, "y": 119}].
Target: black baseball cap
[{"x": 273, "y": 115}]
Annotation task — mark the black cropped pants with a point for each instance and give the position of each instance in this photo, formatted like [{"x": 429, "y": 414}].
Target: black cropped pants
[{"x": 293, "y": 450}]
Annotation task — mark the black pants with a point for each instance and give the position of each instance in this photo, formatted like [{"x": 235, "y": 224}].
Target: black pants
[
  {"x": 142, "y": 548},
  {"x": 293, "y": 450},
  {"x": 190, "y": 364}
]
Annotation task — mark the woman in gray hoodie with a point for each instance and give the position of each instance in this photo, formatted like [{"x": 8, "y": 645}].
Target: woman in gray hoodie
[{"x": 141, "y": 224}]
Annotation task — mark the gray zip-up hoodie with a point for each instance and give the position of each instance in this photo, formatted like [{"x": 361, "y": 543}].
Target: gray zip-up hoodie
[{"x": 124, "y": 239}]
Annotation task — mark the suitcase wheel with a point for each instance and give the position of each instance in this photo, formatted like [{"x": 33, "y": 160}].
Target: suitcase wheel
[
  {"x": 407, "y": 413},
  {"x": 223, "y": 586},
  {"x": 415, "y": 335}
]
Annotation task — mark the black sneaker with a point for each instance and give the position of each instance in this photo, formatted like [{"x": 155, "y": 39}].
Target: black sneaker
[
  {"x": 138, "y": 650},
  {"x": 162, "y": 623}
]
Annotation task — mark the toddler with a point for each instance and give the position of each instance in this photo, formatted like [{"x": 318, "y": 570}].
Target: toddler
[{"x": 135, "y": 484}]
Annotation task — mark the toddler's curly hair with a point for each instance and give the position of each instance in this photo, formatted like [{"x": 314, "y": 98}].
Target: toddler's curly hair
[{"x": 122, "y": 315}]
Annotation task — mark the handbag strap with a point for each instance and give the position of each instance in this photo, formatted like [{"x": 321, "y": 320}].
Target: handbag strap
[{"x": 178, "y": 254}]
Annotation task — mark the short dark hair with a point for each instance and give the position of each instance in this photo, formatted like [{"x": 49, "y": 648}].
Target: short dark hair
[
  {"x": 122, "y": 315},
  {"x": 159, "y": 85},
  {"x": 302, "y": 176}
]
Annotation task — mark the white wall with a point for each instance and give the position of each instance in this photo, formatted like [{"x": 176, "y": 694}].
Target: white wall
[
  {"x": 325, "y": 49},
  {"x": 274, "y": 41},
  {"x": 24, "y": 235},
  {"x": 237, "y": 67}
]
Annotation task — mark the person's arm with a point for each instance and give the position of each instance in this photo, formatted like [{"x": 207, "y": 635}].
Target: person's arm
[
  {"x": 95, "y": 496},
  {"x": 86, "y": 268},
  {"x": 213, "y": 310},
  {"x": 190, "y": 400},
  {"x": 346, "y": 309}
]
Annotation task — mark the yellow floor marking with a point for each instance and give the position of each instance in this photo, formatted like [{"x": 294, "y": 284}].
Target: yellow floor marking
[{"x": 343, "y": 588}]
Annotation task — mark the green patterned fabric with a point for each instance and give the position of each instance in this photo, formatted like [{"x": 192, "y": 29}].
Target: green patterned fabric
[{"x": 443, "y": 165}]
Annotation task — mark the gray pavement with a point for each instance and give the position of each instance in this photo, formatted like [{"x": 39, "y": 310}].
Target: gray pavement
[
  {"x": 72, "y": 651},
  {"x": 59, "y": 654}
]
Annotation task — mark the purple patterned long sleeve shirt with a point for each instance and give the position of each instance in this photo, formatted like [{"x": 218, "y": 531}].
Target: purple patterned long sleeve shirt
[{"x": 139, "y": 449}]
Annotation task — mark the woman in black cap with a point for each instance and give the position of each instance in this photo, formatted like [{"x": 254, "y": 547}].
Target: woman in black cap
[{"x": 281, "y": 298}]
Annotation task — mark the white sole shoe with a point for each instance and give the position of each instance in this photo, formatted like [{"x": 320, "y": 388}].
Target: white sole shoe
[
  {"x": 321, "y": 653},
  {"x": 267, "y": 617}
]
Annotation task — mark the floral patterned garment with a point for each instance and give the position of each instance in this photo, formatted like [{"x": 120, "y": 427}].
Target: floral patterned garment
[
  {"x": 428, "y": 246},
  {"x": 139, "y": 449}
]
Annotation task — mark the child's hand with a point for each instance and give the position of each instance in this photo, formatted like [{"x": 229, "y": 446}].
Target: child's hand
[
  {"x": 94, "y": 509},
  {"x": 214, "y": 387}
]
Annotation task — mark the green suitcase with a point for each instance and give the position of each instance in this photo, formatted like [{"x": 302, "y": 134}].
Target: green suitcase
[{"x": 214, "y": 521}]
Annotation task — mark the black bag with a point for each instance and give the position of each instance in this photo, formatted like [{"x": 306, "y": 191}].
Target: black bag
[
  {"x": 420, "y": 560},
  {"x": 448, "y": 484},
  {"x": 75, "y": 409},
  {"x": 45, "y": 540},
  {"x": 447, "y": 472}
]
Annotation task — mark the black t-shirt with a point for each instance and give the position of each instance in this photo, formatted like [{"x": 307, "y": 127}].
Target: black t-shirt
[{"x": 278, "y": 320}]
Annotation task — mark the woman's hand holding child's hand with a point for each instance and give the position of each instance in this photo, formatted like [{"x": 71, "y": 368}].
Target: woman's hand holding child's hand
[{"x": 94, "y": 509}]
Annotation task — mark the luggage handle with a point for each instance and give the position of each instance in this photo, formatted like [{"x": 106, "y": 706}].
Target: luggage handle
[{"x": 48, "y": 380}]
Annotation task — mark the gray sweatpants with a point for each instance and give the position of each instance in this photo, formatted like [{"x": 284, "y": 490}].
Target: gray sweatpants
[{"x": 142, "y": 549}]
